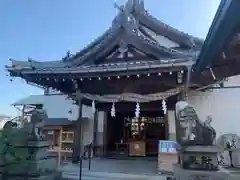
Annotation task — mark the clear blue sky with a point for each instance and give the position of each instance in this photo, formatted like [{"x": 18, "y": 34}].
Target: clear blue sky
[{"x": 46, "y": 29}]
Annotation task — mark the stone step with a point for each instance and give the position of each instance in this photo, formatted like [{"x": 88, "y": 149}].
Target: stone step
[
  {"x": 112, "y": 176},
  {"x": 74, "y": 177},
  {"x": 72, "y": 172}
]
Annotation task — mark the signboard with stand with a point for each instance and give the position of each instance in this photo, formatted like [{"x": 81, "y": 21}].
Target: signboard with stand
[
  {"x": 167, "y": 146},
  {"x": 167, "y": 155}
]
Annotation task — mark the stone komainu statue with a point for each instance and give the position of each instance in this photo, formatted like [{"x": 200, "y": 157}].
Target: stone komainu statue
[
  {"x": 38, "y": 117},
  {"x": 24, "y": 153},
  {"x": 190, "y": 130}
]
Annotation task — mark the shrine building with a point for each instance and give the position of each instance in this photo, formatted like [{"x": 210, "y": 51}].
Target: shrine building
[{"x": 133, "y": 74}]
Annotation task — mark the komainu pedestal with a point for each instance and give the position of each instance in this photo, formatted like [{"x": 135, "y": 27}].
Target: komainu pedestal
[
  {"x": 38, "y": 166},
  {"x": 200, "y": 162}
]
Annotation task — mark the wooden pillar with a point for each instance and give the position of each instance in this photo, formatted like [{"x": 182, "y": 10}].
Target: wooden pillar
[
  {"x": 171, "y": 125},
  {"x": 166, "y": 125},
  {"x": 100, "y": 141},
  {"x": 77, "y": 135},
  {"x": 60, "y": 145},
  {"x": 182, "y": 96},
  {"x": 95, "y": 130},
  {"x": 187, "y": 83}
]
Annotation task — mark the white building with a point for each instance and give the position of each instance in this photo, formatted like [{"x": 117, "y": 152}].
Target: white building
[{"x": 59, "y": 106}]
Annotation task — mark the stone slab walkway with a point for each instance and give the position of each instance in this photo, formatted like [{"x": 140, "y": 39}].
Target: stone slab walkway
[{"x": 114, "y": 170}]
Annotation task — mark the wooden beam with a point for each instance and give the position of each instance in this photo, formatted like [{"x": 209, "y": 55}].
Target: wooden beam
[
  {"x": 142, "y": 85},
  {"x": 225, "y": 68},
  {"x": 145, "y": 83}
]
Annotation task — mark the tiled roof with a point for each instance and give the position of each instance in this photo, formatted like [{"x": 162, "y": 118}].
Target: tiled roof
[
  {"x": 223, "y": 26},
  {"x": 60, "y": 121},
  {"x": 30, "y": 100},
  {"x": 57, "y": 122}
]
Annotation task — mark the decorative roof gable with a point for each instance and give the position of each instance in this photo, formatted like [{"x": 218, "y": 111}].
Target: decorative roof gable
[
  {"x": 127, "y": 52},
  {"x": 136, "y": 28}
]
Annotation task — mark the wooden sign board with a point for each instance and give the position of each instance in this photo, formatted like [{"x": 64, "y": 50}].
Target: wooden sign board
[
  {"x": 137, "y": 148},
  {"x": 167, "y": 156}
]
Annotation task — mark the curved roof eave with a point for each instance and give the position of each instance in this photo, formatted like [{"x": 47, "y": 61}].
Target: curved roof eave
[
  {"x": 102, "y": 41},
  {"x": 224, "y": 22},
  {"x": 91, "y": 45},
  {"x": 111, "y": 67},
  {"x": 186, "y": 38},
  {"x": 16, "y": 64},
  {"x": 84, "y": 56}
]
